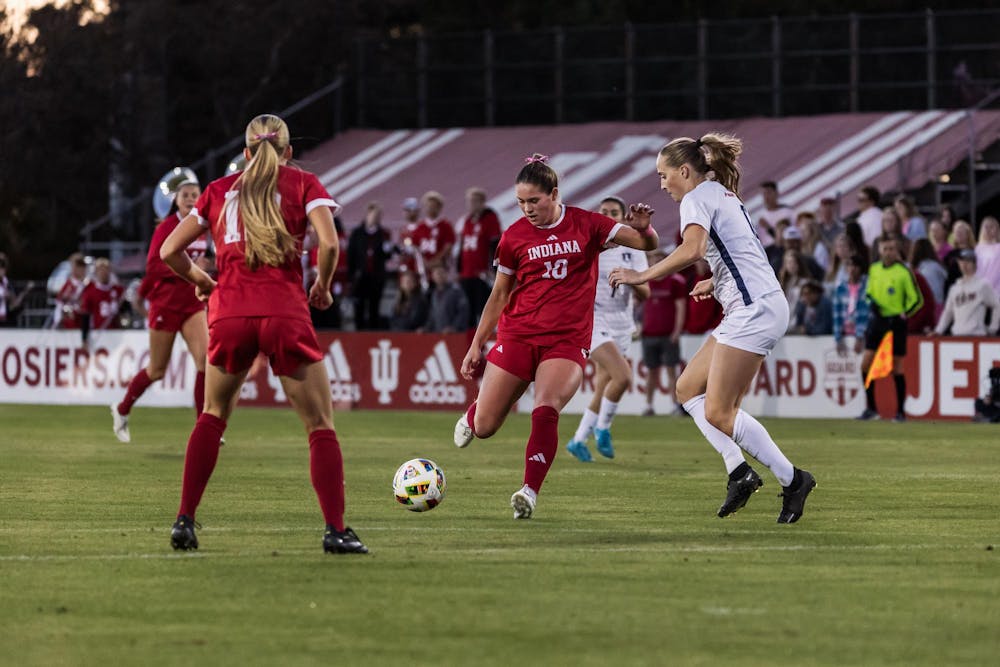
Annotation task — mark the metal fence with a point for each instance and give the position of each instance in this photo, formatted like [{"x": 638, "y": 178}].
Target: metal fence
[{"x": 780, "y": 66}]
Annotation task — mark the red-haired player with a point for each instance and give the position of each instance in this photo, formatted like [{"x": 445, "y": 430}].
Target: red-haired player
[
  {"x": 258, "y": 219},
  {"x": 173, "y": 308},
  {"x": 543, "y": 300}
]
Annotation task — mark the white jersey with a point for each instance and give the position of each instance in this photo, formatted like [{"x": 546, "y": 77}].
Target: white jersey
[
  {"x": 740, "y": 269},
  {"x": 615, "y": 309}
]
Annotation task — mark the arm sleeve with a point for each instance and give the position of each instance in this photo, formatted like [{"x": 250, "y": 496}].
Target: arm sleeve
[
  {"x": 947, "y": 315},
  {"x": 912, "y": 295},
  {"x": 506, "y": 259},
  {"x": 695, "y": 211},
  {"x": 316, "y": 195},
  {"x": 201, "y": 208},
  {"x": 993, "y": 303},
  {"x": 837, "y": 315}
]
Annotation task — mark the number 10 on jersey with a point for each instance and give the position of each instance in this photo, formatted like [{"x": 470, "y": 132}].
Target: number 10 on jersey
[{"x": 556, "y": 270}]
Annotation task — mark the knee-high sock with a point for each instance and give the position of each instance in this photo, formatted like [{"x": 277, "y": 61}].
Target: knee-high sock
[
  {"x": 139, "y": 384},
  {"x": 586, "y": 426},
  {"x": 470, "y": 416},
  {"x": 607, "y": 414},
  {"x": 199, "y": 462},
  {"x": 326, "y": 467},
  {"x": 869, "y": 393},
  {"x": 542, "y": 445},
  {"x": 900, "y": 391},
  {"x": 722, "y": 443},
  {"x": 199, "y": 393},
  {"x": 751, "y": 435}
]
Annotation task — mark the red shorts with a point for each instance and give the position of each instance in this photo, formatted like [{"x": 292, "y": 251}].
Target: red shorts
[
  {"x": 522, "y": 359},
  {"x": 233, "y": 343},
  {"x": 164, "y": 318}
]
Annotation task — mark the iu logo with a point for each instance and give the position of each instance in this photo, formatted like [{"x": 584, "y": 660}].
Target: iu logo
[
  {"x": 385, "y": 370},
  {"x": 842, "y": 377}
]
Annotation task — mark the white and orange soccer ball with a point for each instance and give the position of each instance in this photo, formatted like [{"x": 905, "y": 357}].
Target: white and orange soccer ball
[{"x": 419, "y": 485}]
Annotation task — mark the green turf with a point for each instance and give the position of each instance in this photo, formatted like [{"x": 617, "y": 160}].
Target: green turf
[{"x": 624, "y": 563}]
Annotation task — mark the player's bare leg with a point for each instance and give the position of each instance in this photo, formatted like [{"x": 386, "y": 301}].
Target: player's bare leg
[
  {"x": 499, "y": 391},
  {"x": 161, "y": 344},
  {"x": 619, "y": 373},
  {"x": 577, "y": 446},
  {"x": 195, "y": 334}
]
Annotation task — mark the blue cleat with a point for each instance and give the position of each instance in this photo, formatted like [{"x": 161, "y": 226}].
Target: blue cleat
[
  {"x": 580, "y": 451},
  {"x": 603, "y": 437}
]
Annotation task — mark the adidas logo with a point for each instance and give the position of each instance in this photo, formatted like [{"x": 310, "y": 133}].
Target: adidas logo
[
  {"x": 538, "y": 458},
  {"x": 500, "y": 349},
  {"x": 342, "y": 386},
  {"x": 552, "y": 237},
  {"x": 437, "y": 381}
]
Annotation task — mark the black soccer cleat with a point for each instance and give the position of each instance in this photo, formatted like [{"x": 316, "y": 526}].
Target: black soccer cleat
[
  {"x": 182, "y": 535},
  {"x": 738, "y": 492},
  {"x": 346, "y": 542},
  {"x": 794, "y": 500}
]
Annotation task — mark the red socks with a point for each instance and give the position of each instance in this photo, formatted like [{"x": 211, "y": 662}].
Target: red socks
[
  {"x": 139, "y": 384},
  {"x": 326, "y": 467},
  {"x": 199, "y": 393},
  {"x": 470, "y": 416},
  {"x": 542, "y": 446},
  {"x": 199, "y": 462}
]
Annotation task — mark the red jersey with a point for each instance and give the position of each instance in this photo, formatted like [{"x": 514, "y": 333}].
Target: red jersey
[
  {"x": 407, "y": 262},
  {"x": 659, "y": 315},
  {"x": 67, "y": 301},
  {"x": 477, "y": 238},
  {"x": 556, "y": 272},
  {"x": 702, "y": 315},
  {"x": 160, "y": 285},
  {"x": 101, "y": 303},
  {"x": 267, "y": 291},
  {"x": 431, "y": 237}
]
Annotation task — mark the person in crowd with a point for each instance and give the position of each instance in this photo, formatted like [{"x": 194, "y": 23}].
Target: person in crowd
[
  {"x": 174, "y": 308},
  {"x": 10, "y": 302},
  {"x": 774, "y": 251},
  {"x": 946, "y": 214},
  {"x": 914, "y": 226},
  {"x": 869, "y": 214},
  {"x": 792, "y": 276},
  {"x": 938, "y": 235},
  {"x": 892, "y": 225},
  {"x": 100, "y": 300},
  {"x": 851, "y": 310},
  {"x": 478, "y": 232},
  {"x": 830, "y": 225},
  {"x": 812, "y": 241},
  {"x": 368, "y": 250},
  {"x": 988, "y": 252},
  {"x": 962, "y": 238},
  {"x": 67, "y": 299},
  {"x": 410, "y": 311},
  {"x": 542, "y": 301},
  {"x": 923, "y": 260},
  {"x": 922, "y": 321},
  {"x": 434, "y": 236},
  {"x": 773, "y": 211},
  {"x": 847, "y": 245},
  {"x": 614, "y": 325},
  {"x": 664, "y": 317},
  {"x": 894, "y": 294},
  {"x": 701, "y": 315},
  {"x": 258, "y": 305},
  {"x": 330, "y": 318},
  {"x": 813, "y": 314},
  {"x": 792, "y": 243},
  {"x": 406, "y": 246},
  {"x": 969, "y": 301},
  {"x": 703, "y": 176},
  {"x": 449, "y": 308}
]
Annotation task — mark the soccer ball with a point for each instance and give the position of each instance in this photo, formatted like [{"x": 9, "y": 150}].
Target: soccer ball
[{"x": 419, "y": 485}]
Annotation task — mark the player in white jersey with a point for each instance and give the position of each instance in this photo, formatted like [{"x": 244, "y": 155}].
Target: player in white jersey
[
  {"x": 614, "y": 325},
  {"x": 703, "y": 175}
]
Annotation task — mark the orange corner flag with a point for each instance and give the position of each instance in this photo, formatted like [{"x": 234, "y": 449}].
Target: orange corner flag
[{"x": 882, "y": 362}]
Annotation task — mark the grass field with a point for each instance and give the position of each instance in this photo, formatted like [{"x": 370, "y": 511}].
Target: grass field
[{"x": 624, "y": 562}]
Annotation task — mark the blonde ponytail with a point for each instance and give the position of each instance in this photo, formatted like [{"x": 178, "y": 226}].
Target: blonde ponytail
[
  {"x": 714, "y": 152},
  {"x": 266, "y": 239}
]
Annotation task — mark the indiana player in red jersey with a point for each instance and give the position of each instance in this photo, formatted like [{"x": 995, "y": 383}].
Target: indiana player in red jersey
[
  {"x": 478, "y": 232},
  {"x": 543, "y": 299},
  {"x": 100, "y": 300},
  {"x": 173, "y": 308},
  {"x": 258, "y": 219}
]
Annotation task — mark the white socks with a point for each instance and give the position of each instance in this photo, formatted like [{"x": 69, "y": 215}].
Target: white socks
[
  {"x": 587, "y": 422},
  {"x": 723, "y": 444},
  {"x": 751, "y": 435},
  {"x": 608, "y": 410}
]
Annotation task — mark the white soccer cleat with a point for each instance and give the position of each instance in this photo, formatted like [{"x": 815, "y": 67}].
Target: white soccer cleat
[
  {"x": 119, "y": 424},
  {"x": 463, "y": 432},
  {"x": 523, "y": 501}
]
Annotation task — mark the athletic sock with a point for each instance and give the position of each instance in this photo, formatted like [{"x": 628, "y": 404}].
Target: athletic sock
[
  {"x": 739, "y": 471},
  {"x": 199, "y": 462},
  {"x": 326, "y": 468},
  {"x": 586, "y": 426},
  {"x": 542, "y": 446},
  {"x": 470, "y": 416},
  {"x": 900, "y": 392},
  {"x": 199, "y": 393},
  {"x": 751, "y": 435},
  {"x": 139, "y": 384},
  {"x": 730, "y": 451},
  {"x": 869, "y": 393},
  {"x": 607, "y": 414}
]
